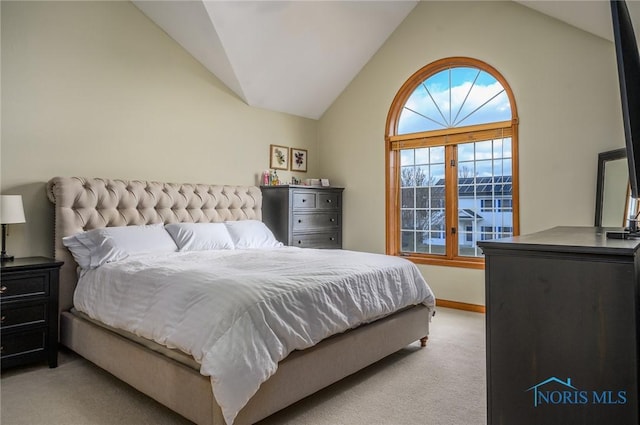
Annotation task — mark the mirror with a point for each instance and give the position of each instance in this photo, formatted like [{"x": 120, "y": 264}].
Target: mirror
[{"x": 612, "y": 190}]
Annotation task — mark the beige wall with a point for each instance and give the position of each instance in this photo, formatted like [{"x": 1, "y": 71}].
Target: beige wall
[
  {"x": 96, "y": 89},
  {"x": 565, "y": 85}
]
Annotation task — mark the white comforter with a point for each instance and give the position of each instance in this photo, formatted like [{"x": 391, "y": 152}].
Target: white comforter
[{"x": 239, "y": 312}]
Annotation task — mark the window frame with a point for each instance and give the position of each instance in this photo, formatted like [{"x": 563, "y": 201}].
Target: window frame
[{"x": 449, "y": 138}]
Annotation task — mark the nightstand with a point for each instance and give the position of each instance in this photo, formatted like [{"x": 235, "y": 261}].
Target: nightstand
[{"x": 29, "y": 311}]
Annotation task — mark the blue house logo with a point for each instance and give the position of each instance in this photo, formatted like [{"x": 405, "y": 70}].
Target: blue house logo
[{"x": 555, "y": 391}]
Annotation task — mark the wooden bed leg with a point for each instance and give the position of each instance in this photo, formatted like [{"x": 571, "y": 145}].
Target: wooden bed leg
[{"x": 423, "y": 341}]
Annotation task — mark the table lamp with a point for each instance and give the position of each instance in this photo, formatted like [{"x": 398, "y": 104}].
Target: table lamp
[{"x": 11, "y": 212}]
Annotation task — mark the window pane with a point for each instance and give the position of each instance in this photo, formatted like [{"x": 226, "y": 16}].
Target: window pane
[
  {"x": 436, "y": 175},
  {"x": 506, "y": 149},
  {"x": 436, "y": 155},
  {"x": 507, "y": 169},
  {"x": 407, "y": 177},
  {"x": 422, "y": 244},
  {"x": 466, "y": 152},
  {"x": 422, "y": 156},
  {"x": 408, "y": 241},
  {"x": 422, "y": 175},
  {"x": 422, "y": 198},
  {"x": 408, "y": 198},
  {"x": 406, "y": 157},
  {"x": 408, "y": 220}
]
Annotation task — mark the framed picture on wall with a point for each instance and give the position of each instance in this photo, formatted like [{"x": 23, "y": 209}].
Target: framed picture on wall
[
  {"x": 278, "y": 157},
  {"x": 299, "y": 160}
]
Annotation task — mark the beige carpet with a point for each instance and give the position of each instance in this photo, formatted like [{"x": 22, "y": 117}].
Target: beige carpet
[{"x": 442, "y": 384}]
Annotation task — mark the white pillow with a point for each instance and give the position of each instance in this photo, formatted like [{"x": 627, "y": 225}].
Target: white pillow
[
  {"x": 247, "y": 234},
  {"x": 98, "y": 246},
  {"x": 200, "y": 236}
]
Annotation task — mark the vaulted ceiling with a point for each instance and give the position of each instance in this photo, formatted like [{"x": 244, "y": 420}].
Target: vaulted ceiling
[{"x": 298, "y": 56}]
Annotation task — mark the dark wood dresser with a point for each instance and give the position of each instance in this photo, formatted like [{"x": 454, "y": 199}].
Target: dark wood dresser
[
  {"x": 304, "y": 216},
  {"x": 562, "y": 322},
  {"x": 29, "y": 311}
]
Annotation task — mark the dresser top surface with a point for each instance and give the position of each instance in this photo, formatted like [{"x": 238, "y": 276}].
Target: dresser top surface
[{"x": 568, "y": 239}]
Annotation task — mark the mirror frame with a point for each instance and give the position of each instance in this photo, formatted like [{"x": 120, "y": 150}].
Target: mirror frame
[{"x": 603, "y": 158}]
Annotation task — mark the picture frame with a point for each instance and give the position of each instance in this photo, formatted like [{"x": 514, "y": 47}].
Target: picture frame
[
  {"x": 298, "y": 160},
  {"x": 278, "y": 157}
]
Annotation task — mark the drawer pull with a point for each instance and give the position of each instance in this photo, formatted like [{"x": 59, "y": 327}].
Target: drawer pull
[
  {"x": 332, "y": 239},
  {"x": 304, "y": 200},
  {"x": 299, "y": 221},
  {"x": 2, "y": 289},
  {"x": 332, "y": 220},
  {"x": 299, "y": 242},
  {"x": 329, "y": 201},
  {"x": 2, "y": 319}
]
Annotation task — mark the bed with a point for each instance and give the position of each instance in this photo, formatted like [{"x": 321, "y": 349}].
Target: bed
[{"x": 165, "y": 372}]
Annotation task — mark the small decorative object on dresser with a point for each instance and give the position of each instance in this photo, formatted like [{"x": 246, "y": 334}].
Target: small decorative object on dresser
[
  {"x": 29, "y": 311},
  {"x": 308, "y": 217},
  {"x": 299, "y": 160},
  {"x": 278, "y": 157}
]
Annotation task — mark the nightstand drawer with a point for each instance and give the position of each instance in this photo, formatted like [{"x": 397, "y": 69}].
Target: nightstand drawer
[
  {"x": 25, "y": 284},
  {"x": 324, "y": 220},
  {"x": 14, "y": 344},
  {"x": 317, "y": 240},
  {"x": 20, "y": 314}
]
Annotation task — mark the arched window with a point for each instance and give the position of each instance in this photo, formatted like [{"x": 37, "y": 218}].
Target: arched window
[{"x": 452, "y": 163}]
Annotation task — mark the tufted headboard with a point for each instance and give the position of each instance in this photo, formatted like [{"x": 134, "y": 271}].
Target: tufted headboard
[{"x": 90, "y": 203}]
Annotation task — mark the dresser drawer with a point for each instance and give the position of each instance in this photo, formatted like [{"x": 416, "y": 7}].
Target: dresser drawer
[
  {"x": 27, "y": 284},
  {"x": 302, "y": 200},
  {"x": 14, "y": 344},
  {"x": 321, "y": 220},
  {"x": 20, "y": 314},
  {"x": 329, "y": 240},
  {"x": 329, "y": 200}
]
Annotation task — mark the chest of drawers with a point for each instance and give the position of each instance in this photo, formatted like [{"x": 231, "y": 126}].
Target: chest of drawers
[
  {"x": 304, "y": 216},
  {"x": 562, "y": 328},
  {"x": 29, "y": 311}
]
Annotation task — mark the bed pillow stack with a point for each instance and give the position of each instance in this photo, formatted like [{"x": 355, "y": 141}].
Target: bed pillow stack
[
  {"x": 99, "y": 246},
  {"x": 95, "y": 247}
]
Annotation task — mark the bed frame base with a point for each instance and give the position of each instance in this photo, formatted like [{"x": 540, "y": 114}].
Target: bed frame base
[{"x": 188, "y": 393}]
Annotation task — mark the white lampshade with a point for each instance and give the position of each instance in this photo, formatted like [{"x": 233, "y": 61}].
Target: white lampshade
[{"x": 11, "y": 210}]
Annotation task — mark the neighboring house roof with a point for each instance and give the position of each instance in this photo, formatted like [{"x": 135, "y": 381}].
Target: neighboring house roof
[
  {"x": 469, "y": 214},
  {"x": 485, "y": 186}
]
